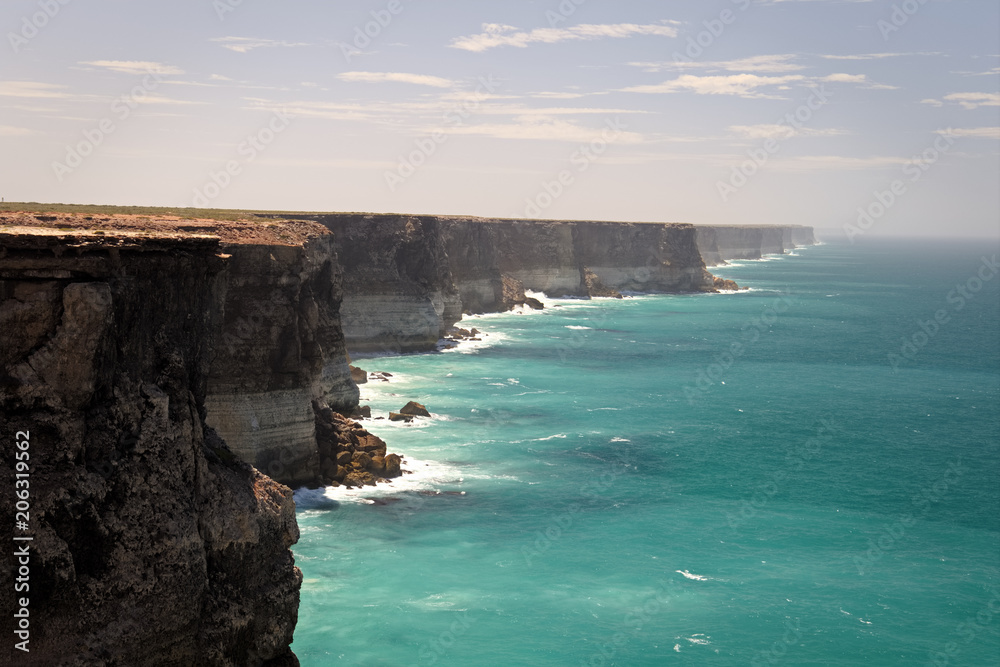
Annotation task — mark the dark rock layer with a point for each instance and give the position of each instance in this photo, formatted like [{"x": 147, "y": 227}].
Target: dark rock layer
[{"x": 153, "y": 544}]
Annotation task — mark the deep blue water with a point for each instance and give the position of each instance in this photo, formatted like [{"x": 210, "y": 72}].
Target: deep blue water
[{"x": 725, "y": 479}]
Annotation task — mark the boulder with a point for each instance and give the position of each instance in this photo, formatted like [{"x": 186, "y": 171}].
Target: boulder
[
  {"x": 358, "y": 375},
  {"x": 414, "y": 409},
  {"x": 361, "y": 460},
  {"x": 362, "y": 412},
  {"x": 534, "y": 303},
  {"x": 396, "y": 417},
  {"x": 721, "y": 284},
  {"x": 359, "y": 479},
  {"x": 392, "y": 463}
]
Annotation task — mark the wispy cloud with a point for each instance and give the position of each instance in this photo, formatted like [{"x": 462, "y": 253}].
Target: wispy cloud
[
  {"x": 134, "y": 66},
  {"x": 982, "y": 132},
  {"x": 878, "y": 56},
  {"x": 772, "y": 64},
  {"x": 861, "y": 79},
  {"x": 397, "y": 77},
  {"x": 496, "y": 35},
  {"x": 246, "y": 44},
  {"x": 837, "y": 163},
  {"x": 542, "y": 129},
  {"x": 743, "y": 85},
  {"x": 781, "y": 131},
  {"x": 33, "y": 89},
  {"x": 974, "y": 100},
  {"x": 11, "y": 131}
]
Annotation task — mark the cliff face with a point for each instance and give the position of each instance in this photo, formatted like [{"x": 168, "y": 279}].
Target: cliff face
[
  {"x": 152, "y": 544},
  {"x": 407, "y": 279},
  {"x": 280, "y": 348},
  {"x": 642, "y": 257},
  {"x": 398, "y": 292},
  {"x": 717, "y": 243}
]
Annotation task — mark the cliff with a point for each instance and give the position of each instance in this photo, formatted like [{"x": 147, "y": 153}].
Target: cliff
[
  {"x": 717, "y": 243},
  {"x": 153, "y": 544},
  {"x": 408, "y": 279},
  {"x": 398, "y": 294}
]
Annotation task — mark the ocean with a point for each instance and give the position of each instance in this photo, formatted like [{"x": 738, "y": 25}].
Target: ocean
[{"x": 804, "y": 473}]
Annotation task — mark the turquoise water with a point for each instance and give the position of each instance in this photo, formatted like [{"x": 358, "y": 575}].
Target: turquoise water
[{"x": 703, "y": 479}]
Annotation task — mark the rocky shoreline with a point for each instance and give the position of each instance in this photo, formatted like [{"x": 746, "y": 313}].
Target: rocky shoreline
[{"x": 177, "y": 376}]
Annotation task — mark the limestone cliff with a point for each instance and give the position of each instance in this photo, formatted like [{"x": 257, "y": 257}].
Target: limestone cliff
[
  {"x": 408, "y": 279},
  {"x": 717, "y": 243},
  {"x": 153, "y": 544},
  {"x": 398, "y": 294}
]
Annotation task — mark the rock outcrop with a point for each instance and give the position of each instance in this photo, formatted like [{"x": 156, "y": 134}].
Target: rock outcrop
[{"x": 152, "y": 543}]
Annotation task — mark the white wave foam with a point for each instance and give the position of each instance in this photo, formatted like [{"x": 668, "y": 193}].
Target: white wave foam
[
  {"x": 578, "y": 328},
  {"x": 557, "y": 436},
  {"x": 424, "y": 476},
  {"x": 688, "y": 575}
]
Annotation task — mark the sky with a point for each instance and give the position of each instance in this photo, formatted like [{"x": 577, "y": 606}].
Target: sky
[{"x": 864, "y": 117}]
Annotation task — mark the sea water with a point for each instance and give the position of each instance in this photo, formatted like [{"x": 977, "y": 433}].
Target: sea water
[{"x": 804, "y": 473}]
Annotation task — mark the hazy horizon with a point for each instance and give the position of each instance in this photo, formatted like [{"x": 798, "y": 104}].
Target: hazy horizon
[{"x": 852, "y": 117}]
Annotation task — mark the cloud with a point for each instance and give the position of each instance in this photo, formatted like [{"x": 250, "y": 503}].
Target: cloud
[
  {"x": 32, "y": 89},
  {"x": 543, "y": 129},
  {"x": 11, "y": 131},
  {"x": 932, "y": 102},
  {"x": 134, "y": 66},
  {"x": 856, "y": 78},
  {"x": 837, "y": 163},
  {"x": 397, "y": 77},
  {"x": 775, "y": 63},
  {"x": 743, "y": 85},
  {"x": 981, "y": 132},
  {"x": 879, "y": 56},
  {"x": 975, "y": 100},
  {"x": 495, "y": 35},
  {"x": 246, "y": 44},
  {"x": 781, "y": 131}
]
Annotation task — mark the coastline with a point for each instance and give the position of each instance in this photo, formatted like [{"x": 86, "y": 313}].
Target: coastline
[{"x": 245, "y": 366}]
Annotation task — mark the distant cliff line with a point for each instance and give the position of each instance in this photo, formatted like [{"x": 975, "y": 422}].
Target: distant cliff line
[{"x": 152, "y": 358}]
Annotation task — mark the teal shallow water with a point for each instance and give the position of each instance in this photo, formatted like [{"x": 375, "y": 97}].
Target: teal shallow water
[{"x": 616, "y": 489}]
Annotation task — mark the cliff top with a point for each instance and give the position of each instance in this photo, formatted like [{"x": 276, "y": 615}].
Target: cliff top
[{"x": 127, "y": 229}]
